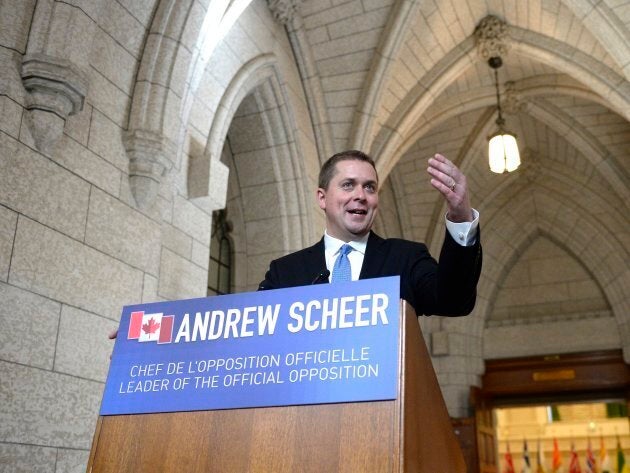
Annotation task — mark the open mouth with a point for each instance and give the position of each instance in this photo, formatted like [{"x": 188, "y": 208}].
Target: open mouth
[{"x": 358, "y": 212}]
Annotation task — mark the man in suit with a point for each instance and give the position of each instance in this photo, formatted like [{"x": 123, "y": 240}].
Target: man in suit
[{"x": 350, "y": 250}]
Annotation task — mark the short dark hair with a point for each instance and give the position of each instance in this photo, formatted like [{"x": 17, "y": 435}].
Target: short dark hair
[{"x": 327, "y": 171}]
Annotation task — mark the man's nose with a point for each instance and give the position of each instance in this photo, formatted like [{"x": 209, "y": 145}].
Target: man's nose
[{"x": 359, "y": 193}]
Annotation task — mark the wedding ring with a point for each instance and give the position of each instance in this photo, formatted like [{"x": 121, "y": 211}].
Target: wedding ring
[{"x": 453, "y": 185}]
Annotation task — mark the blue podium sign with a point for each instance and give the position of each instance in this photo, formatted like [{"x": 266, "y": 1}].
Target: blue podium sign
[{"x": 305, "y": 345}]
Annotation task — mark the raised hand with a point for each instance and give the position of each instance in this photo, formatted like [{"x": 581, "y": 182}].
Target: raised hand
[{"x": 451, "y": 182}]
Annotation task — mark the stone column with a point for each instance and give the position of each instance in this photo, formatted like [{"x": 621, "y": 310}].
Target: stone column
[
  {"x": 155, "y": 117},
  {"x": 287, "y": 13}
]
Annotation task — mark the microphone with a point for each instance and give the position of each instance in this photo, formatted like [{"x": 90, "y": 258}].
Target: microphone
[{"x": 322, "y": 276}]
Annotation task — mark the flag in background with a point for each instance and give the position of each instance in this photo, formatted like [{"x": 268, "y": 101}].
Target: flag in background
[
  {"x": 556, "y": 459},
  {"x": 540, "y": 460},
  {"x": 591, "y": 466},
  {"x": 527, "y": 468},
  {"x": 574, "y": 462},
  {"x": 509, "y": 463},
  {"x": 604, "y": 461},
  {"x": 621, "y": 459}
]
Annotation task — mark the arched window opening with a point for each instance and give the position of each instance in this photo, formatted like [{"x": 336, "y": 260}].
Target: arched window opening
[{"x": 220, "y": 267}]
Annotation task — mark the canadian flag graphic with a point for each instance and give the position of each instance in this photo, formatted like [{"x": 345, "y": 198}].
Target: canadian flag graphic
[{"x": 151, "y": 327}]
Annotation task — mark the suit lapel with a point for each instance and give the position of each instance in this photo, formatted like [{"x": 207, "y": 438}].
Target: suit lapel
[
  {"x": 315, "y": 260},
  {"x": 374, "y": 257}
]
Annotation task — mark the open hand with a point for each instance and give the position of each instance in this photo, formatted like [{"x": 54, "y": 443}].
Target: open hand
[{"x": 449, "y": 180}]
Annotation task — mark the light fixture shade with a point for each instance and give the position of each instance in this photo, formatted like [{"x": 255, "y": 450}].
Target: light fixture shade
[{"x": 503, "y": 153}]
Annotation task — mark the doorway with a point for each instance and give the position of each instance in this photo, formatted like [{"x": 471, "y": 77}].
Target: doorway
[
  {"x": 559, "y": 434},
  {"x": 569, "y": 398}
]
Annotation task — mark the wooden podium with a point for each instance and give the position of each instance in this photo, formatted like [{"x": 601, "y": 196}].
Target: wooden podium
[{"x": 410, "y": 434}]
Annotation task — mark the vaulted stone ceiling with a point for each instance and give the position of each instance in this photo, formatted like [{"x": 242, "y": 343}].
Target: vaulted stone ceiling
[
  {"x": 384, "y": 65},
  {"x": 403, "y": 80}
]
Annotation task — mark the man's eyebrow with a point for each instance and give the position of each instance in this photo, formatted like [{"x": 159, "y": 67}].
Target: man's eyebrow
[{"x": 354, "y": 180}]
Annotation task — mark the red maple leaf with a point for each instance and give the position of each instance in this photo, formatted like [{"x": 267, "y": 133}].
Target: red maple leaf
[{"x": 151, "y": 326}]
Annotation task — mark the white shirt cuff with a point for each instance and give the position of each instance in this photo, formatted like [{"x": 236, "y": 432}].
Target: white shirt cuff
[{"x": 464, "y": 233}]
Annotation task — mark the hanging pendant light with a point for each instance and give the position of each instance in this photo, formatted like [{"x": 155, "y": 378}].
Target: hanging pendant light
[{"x": 503, "y": 152}]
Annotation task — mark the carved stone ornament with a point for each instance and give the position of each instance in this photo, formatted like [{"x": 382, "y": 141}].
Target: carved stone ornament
[
  {"x": 56, "y": 89},
  {"x": 492, "y": 37},
  {"x": 284, "y": 10},
  {"x": 531, "y": 167},
  {"x": 150, "y": 157},
  {"x": 512, "y": 102}
]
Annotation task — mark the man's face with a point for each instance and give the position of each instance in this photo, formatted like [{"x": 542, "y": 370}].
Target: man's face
[{"x": 351, "y": 199}]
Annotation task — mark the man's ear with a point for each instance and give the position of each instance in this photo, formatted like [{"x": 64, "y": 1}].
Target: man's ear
[{"x": 321, "y": 198}]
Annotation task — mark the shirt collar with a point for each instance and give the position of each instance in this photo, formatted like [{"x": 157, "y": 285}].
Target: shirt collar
[{"x": 333, "y": 244}]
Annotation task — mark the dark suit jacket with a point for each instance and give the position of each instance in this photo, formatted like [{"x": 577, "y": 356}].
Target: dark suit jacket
[{"x": 447, "y": 288}]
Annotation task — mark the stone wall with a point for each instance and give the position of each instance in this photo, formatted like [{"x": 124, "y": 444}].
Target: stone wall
[{"x": 80, "y": 236}]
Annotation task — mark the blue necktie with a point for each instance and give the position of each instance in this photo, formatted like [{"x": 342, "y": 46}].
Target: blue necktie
[{"x": 341, "y": 270}]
